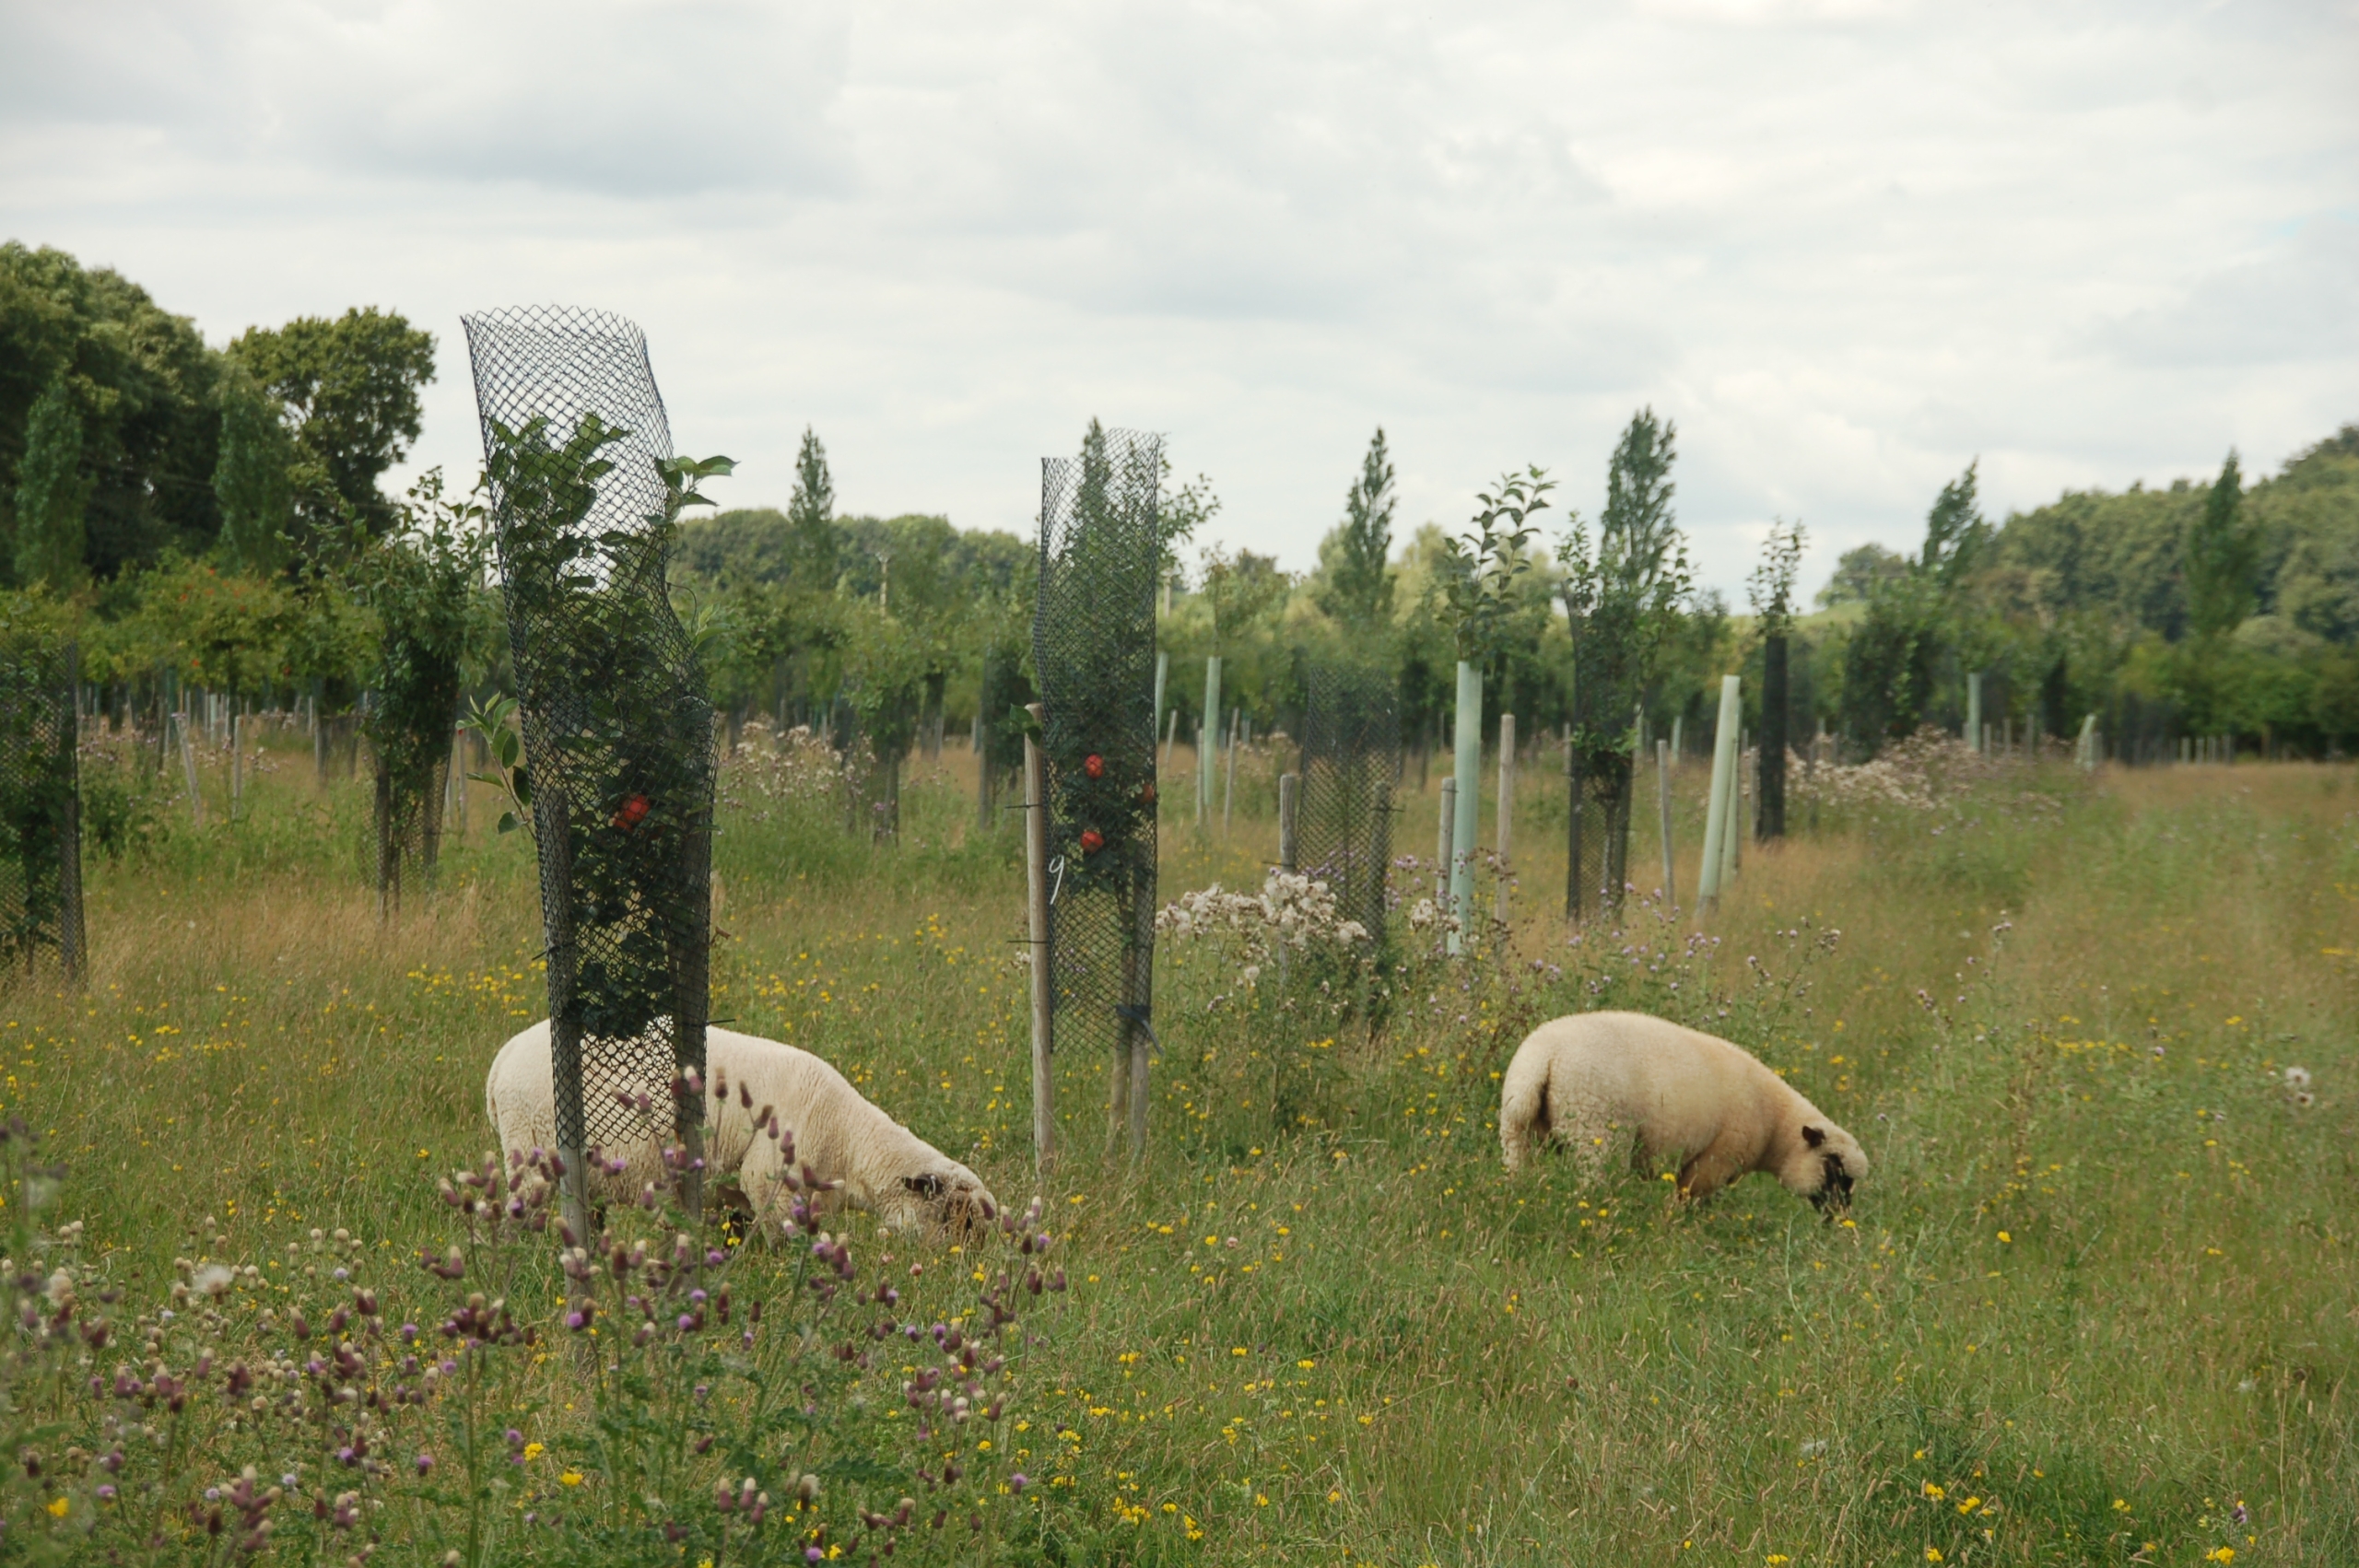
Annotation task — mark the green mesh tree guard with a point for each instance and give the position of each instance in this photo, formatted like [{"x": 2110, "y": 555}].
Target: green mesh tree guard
[
  {"x": 1351, "y": 755},
  {"x": 1093, "y": 640},
  {"x": 40, "y": 825},
  {"x": 617, "y": 731}
]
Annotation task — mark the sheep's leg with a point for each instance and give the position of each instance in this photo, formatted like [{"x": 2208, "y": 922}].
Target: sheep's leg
[
  {"x": 1708, "y": 1171},
  {"x": 1592, "y": 1139}
]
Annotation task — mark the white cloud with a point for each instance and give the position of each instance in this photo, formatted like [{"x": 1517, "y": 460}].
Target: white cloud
[{"x": 1847, "y": 246}]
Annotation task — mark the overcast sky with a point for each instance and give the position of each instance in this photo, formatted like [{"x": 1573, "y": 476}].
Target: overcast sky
[{"x": 1847, "y": 246}]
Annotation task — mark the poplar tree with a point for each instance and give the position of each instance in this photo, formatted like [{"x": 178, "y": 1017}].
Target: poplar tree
[
  {"x": 53, "y": 495},
  {"x": 1772, "y": 589},
  {"x": 810, "y": 515},
  {"x": 1621, "y": 598},
  {"x": 1358, "y": 588},
  {"x": 2222, "y": 559}
]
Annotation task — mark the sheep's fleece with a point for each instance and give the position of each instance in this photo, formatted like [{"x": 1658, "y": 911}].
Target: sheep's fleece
[
  {"x": 1593, "y": 1078},
  {"x": 881, "y": 1166}
]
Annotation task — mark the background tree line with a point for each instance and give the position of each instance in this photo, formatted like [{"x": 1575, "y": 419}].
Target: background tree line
[{"x": 217, "y": 516}]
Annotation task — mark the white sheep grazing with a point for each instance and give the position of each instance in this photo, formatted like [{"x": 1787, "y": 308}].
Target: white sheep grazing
[
  {"x": 1593, "y": 1078},
  {"x": 757, "y": 1087}
]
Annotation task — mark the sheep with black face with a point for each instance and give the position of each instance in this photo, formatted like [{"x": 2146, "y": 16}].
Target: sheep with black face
[
  {"x": 1596, "y": 1081},
  {"x": 767, "y": 1101}
]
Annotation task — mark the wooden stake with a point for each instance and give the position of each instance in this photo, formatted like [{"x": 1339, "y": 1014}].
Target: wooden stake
[
  {"x": 1442, "y": 847},
  {"x": 1289, "y": 794},
  {"x": 1576, "y": 810},
  {"x": 1506, "y": 814},
  {"x": 1036, "y": 874},
  {"x": 982, "y": 774},
  {"x": 188, "y": 771},
  {"x": 1203, "y": 790},
  {"x": 1229, "y": 791},
  {"x": 1207, "y": 734},
  {"x": 1289, "y": 790},
  {"x": 1662, "y": 802}
]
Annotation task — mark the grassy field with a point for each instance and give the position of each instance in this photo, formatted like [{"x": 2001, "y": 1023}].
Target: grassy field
[{"x": 2094, "y": 1304}]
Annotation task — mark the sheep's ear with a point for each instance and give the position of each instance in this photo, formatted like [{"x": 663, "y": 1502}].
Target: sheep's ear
[
  {"x": 926, "y": 1186},
  {"x": 1814, "y": 1136}
]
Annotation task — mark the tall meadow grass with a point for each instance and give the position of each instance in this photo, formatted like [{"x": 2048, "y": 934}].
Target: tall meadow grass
[{"x": 2092, "y": 1304}]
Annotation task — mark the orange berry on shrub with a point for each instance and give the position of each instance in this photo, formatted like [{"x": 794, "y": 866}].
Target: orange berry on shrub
[
  {"x": 1092, "y": 840},
  {"x": 1093, "y": 765},
  {"x": 633, "y": 808}
]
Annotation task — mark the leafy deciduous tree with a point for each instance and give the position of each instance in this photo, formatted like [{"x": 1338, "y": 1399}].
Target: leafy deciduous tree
[
  {"x": 423, "y": 580},
  {"x": 1859, "y": 573},
  {"x": 1478, "y": 583},
  {"x": 250, "y": 481},
  {"x": 1892, "y": 663},
  {"x": 142, "y": 379},
  {"x": 349, "y": 387}
]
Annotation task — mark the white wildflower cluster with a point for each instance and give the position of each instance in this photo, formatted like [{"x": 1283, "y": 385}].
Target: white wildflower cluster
[
  {"x": 2297, "y": 1088},
  {"x": 1927, "y": 772},
  {"x": 1427, "y": 914},
  {"x": 1291, "y": 911},
  {"x": 794, "y": 767}
]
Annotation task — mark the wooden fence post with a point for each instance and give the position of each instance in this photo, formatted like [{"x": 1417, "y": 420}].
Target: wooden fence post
[
  {"x": 1036, "y": 874},
  {"x": 1443, "y": 855},
  {"x": 1507, "y": 812},
  {"x": 1229, "y": 791},
  {"x": 1289, "y": 791},
  {"x": 1663, "y": 801},
  {"x": 188, "y": 771}
]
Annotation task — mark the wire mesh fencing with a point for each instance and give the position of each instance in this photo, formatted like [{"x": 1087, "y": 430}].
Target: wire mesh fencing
[
  {"x": 40, "y": 825},
  {"x": 619, "y": 735},
  {"x": 1093, "y": 636},
  {"x": 1351, "y": 755}
]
